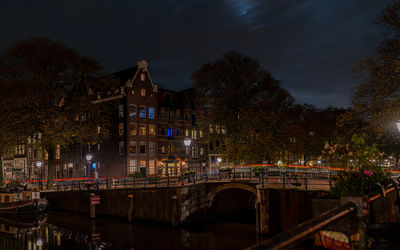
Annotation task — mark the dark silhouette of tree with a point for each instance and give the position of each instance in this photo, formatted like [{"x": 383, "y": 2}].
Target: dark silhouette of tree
[
  {"x": 46, "y": 95},
  {"x": 238, "y": 94}
]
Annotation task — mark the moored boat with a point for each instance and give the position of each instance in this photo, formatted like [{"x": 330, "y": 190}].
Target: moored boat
[
  {"x": 24, "y": 202},
  {"x": 332, "y": 240}
]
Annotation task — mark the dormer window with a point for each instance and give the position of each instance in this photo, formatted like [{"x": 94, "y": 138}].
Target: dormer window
[
  {"x": 143, "y": 92},
  {"x": 142, "y": 77}
]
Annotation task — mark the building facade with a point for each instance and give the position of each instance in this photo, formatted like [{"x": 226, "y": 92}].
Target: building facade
[{"x": 148, "y": 130}]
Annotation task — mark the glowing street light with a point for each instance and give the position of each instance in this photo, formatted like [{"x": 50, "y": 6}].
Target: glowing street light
[
  {"x": 88, "y": 157},
  {"x": 187, "y": 142}
]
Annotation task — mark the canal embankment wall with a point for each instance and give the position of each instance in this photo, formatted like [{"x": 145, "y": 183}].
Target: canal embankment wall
[{"x": 276, "y": 210}]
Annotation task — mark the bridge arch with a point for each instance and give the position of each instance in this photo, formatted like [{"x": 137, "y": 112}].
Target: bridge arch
[{"x": 213, "y": 192}]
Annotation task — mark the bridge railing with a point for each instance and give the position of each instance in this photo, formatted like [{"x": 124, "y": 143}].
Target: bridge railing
[
  {"x": 303, "y": 180},
  {"x": 325, "y": 231}
]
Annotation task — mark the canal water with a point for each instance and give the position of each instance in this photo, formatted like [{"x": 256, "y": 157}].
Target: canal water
[{"x": 65, "y": 230}]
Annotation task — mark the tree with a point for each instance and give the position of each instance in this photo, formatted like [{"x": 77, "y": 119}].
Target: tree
[
  {"x": 238, "y": 94},
  {"x": 376, "y": 101},
  {"x": 46, "y": 95}
]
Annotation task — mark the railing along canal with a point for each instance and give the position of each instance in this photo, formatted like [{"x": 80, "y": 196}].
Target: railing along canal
[{"x": 303, "y": 180}]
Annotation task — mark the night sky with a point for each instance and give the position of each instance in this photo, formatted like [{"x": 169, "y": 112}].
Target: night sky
[{"x": 311, "y": 46}]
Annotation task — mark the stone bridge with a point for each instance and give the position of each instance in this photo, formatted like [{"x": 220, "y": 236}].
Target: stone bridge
[{"x": 276, "y": 209}]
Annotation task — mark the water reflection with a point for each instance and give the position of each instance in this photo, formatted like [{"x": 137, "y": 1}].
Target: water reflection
[{"x": 62, "y": 230}]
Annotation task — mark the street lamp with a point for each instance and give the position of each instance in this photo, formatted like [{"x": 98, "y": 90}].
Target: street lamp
[
  {"x": 219, "y": 160},
  {"x": 88, "y": 159},
  {"x": 39, "y": 165},
  {"x": 187, "y": 143}
]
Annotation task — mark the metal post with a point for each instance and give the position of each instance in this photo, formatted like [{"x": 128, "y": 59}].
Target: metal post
[
  {"x": 284, "y": 181},
  {"x": 130, "y": 208},
  {"x": 306, "y": 181},
  {"x": 92, "y": 207},
  {"x": 262, "y": 181}
]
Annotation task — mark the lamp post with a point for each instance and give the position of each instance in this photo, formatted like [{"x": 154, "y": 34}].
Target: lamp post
[
  {"x": 219, "y": 160},
  {"x": 39, "y": 165},
  {"x": 187, "y": 143},
  {"x": 88, "y": 157},
  {"x": 398, "y": 129}
]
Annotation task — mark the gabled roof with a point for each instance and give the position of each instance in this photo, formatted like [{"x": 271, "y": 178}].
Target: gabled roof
[{"x": 126, "y": 74}]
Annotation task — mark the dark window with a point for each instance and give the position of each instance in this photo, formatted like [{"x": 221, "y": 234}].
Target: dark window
[
  {"x": 162, "y": 131},
  {"x": 170, "y": 116},
  {"x": 193, "y": 120},
  {"x": 142, "y": 112},
  {"x": 177, "y": 132},
  {"x": 132, "y": 110},
  {"x": 211, "y": 146},
  {"x": 142, "y": 148}
]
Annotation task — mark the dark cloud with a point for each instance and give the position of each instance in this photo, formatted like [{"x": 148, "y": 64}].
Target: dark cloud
[{"x": 311, "y": 46}]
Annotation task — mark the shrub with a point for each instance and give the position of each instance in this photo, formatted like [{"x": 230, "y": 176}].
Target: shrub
[{"x": 361, "y": 173}]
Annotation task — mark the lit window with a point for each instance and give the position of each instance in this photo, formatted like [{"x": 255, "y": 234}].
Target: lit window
[
  {"x": 223, "y": 130},
  {"x": 133, "y": 129},
  {"x": 201, "y": 133},
  {"x": 151, "y": 148},
  {"x": 98, "y": 129},
  {"x": 152, "y": 166},
  {"x": 201, "y": 151},
  {"x": 132, "y": 166},
  {"x": 132, "y": 110},
  {"x": 170, "y": 132},
  {"x": 187, "y": 132},
  {"x": 151, "y": 113},
  {"x": 217, "y": 129},
  {"x": 142, "y": 130},
  {"x": 143, "y": 92},
  {"x": 143, "y": 164},
  {"x": 120, "y": 111},
  {"x": 211, "y": 128},
  {"x": 152, "y": 130},
  {"x": 132, "y": 147},
  {"x": 142, "y": 77},
  {"x": 142, "y": 148},
  {"x": 163, "y": 149},
  {"x": 121, "y": 129},
  {"x": 142, "y": 112},
  {"x": 194, "y": 134}
]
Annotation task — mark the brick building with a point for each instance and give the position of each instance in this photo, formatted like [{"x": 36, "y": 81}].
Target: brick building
[{"x": 148, "y": 129}]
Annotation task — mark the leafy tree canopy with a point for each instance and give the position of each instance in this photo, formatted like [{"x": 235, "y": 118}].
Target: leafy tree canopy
[
  {"x": 46, "y": 93},
  {"x": 238, "y": 94}
]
